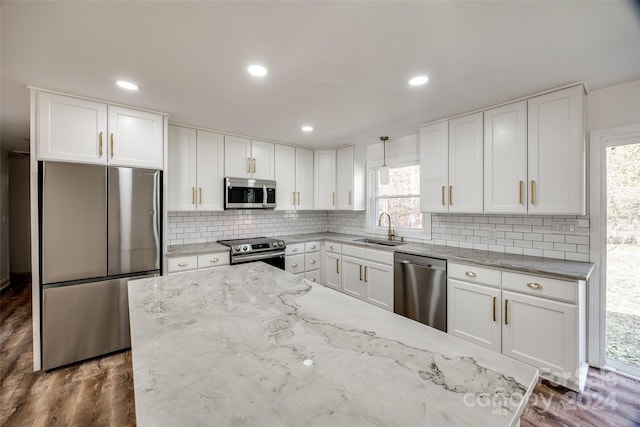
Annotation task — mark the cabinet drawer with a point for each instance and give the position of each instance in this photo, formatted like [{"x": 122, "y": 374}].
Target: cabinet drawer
[
  {"x": 296, "y": 248},
  {"x": 182, "y": 264},
  {"x": 474, "y": 274},
  {"x": 314, "y": 276},
  {"x": 336, "y": 248},
  {"x": 294, "y": 263},
  {"x": 383, "y": 257},
  {"x": 312, "y": 261},
  {"x": 541, "y": 286},
  {"x": 217, "y": 259},
  {"x": 354, "y": 251},
  {"x": 311, "y": 247}
]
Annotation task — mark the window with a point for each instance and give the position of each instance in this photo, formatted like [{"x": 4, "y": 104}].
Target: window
[{"x": 400, "y": 198}]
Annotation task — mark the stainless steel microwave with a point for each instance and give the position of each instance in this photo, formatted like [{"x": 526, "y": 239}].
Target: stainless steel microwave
[{"x": 242, "y": 193}]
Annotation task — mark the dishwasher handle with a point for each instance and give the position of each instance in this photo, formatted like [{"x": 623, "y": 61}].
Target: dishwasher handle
[{"x": 406, "y": 263}]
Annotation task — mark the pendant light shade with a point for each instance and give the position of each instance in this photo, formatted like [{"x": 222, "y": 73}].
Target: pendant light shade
[{"x": 384, "y": 170}]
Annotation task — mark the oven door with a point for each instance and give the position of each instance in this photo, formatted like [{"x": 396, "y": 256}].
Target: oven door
[
  {"x": 276, "y": 260},
  {"x": 249, "y": 194}
]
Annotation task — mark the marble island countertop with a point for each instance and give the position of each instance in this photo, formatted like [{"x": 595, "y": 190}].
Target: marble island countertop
[
  {"x": 254, "y": 345},
  {"x": 557, "y": 268}
]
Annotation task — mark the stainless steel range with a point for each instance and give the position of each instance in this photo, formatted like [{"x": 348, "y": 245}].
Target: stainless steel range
[{"x": 262, "y": 249}]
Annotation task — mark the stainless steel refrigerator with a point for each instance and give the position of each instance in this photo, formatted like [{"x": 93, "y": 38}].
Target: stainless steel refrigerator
[{"x": 99, "y": 228}]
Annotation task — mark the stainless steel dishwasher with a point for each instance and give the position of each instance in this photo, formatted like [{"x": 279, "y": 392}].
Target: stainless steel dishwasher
[{"x": 420, "y": 289}]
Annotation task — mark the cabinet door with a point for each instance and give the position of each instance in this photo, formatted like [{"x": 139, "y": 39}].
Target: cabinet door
[
  {"x": 330, "y": 272},
  {"x": 474, "y": 313},
  {"x": 210, "y": 169},
  {"x": 285, "y": 173},
  {"x": 181, "y": 173},
  {"x": 505, "y": 159},
  {"x": 541, "y": 332},
  {"x": 378, "y": 279},
  {"x": 344, "y": 178},
  {"x": 353, "y": 277},
  {"x": 304, "y": 179},
  {"x": 465, "y": 164},
  {"x": 135, "y": 138},
  {"x": 294, "y": 263},
  {"x": 434, "y": 167},
  {"x": 71, "y": 129},
  {"x": 237, "y": 157},
  {"x": 557, "y": 153},
  {"x": 325, "y": 179},
  {"x": 263, "y": 160}
]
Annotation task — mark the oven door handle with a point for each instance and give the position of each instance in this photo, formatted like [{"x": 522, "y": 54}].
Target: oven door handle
[{"x": 256, "y": 257}]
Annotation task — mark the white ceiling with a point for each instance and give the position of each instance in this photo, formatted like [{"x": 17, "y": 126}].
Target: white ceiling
[{"x": 341, "y": 66}]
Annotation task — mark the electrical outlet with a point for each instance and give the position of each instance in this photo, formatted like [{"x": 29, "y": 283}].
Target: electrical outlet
[
  {"x": 491, "y": 233},
  {"x": 569, "y": 226}
]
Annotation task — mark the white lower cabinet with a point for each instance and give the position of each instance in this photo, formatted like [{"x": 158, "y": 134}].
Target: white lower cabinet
[
  {"x": 197, "y": 262},
  {"x": 534, "y": 319},
  {"x": 330, "y": 270},
  {"x": 352, "y": 277},
  {"x": 364, "y": 279},
  {"x": 303, "y": 259}
]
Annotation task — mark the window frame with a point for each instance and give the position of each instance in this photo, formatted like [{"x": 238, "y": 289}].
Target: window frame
[{"x": 372, "y": 220}]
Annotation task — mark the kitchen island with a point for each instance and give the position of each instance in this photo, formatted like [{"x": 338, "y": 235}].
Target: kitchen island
[{"x": 254, "y": 345}]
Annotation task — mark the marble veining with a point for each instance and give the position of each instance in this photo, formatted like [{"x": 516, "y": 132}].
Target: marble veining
[{"x": 254, "y": 345}]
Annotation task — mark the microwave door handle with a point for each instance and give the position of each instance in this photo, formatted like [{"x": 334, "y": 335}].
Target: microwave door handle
[{"x": 264, "y": 195}]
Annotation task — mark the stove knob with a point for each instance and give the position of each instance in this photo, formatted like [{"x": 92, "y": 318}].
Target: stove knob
[
  {"x": 245, "y": 248},
  {"x": 280, "y": 244},
  {"x": 275, "y": 244},
  {"x": 237, "y": 248}
]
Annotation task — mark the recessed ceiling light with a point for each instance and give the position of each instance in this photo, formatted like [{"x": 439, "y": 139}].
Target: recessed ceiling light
[
  {"x": 257, "y": 70},
  {"x": 127, "y": 85},
  {"x": 307, "y": 128},
  {"x": 418, "y": 80}
]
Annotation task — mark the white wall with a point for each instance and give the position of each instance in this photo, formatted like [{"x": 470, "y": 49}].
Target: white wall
[
  {"x": 19, "y": 212},
  {"x": 613, "y": 106},
  {"x": 4, "y": 218}
]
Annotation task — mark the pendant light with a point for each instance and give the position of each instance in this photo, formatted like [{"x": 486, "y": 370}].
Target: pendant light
[{"x": 384, "y": 171}]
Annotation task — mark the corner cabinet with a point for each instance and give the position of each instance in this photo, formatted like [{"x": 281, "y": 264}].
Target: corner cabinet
[
  {"x": 195, "y": 170},
  {"x": 331, "y": 265},
  {"x": 537, "y": 320},
  {"x": 350, "y": 179},
  {"x": 324, "y": 179},
  {"x": 85, "y": 131},
  {"x": 556, "y": 153},
  {"x": 246, "y": 158}
]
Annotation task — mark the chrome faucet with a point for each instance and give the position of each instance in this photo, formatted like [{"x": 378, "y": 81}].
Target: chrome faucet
[{"x": 390, "y": 232}]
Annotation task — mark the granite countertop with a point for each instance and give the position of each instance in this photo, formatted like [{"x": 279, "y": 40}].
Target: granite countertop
[
  {"x": 557, "y": 268},
  {"x": 254, "y": 345}
]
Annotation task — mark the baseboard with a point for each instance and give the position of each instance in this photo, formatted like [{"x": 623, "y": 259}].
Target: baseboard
[{"x": 4, "y": 283}]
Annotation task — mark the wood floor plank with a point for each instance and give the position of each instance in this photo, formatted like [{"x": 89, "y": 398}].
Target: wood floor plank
[{"x": 99, "y": 392}]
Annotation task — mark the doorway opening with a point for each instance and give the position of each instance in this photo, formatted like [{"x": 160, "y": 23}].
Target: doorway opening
[{"x": 622, "y": 265}]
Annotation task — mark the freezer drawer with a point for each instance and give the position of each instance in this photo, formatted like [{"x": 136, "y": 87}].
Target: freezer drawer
[{"x": 84, "y": 321}]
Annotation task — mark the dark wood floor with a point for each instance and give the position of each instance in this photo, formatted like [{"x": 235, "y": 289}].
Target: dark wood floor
[{"x": 100, "y": 392}]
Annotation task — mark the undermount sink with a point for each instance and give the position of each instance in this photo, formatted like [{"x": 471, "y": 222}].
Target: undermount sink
[{"x": 380, "y": 242}]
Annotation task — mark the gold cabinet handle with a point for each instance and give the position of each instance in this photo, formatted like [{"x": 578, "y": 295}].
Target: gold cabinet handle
[
  {"x": 349, "y": 198},
  {"x": 506, "y": 312},
  {"x": 294, "y": 197},
  {"x": 298, "y": 197},
  {"x": 294, "y": 265},
  {"x": 533, "y": 194},
  {"x": 213, "y": 260},
  {"x": 313, "y": 280},
  {"x": 495, "y": 299},
  {"x": 254, "y": 165},
  {"x": 443, "y": 195},
  {"x": 366, "y": 273},
  {"x": 294, "y": 249},
  {"x": 193, "y": 195},
  {"x": 450, "y": 194},
  {"x": 520, "y": 188},
  {"x": 337, "y": 266},
  {"x": 183, "y": 264},
  {"x": 332, "y": 247},
  {"x": 534, "y": 285},
  {"x": 112, "y": 145},
  {"x": 313, "y": 246},
  {"x": 248, "y": 165},
  {"x": 470, "y": 274},
  {"x": 313, "y": 261},
  {"x": 333, "y": 198},
  {"x": 200, "y": 194},
  {"x": 100, "y": 147},
  {"x": 361, "y": 273}
]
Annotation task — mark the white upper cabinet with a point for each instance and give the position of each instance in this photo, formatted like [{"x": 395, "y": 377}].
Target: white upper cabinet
[
  {"x": 77, "y": 130},
  {"x": 245, "y": 158},
  {"x": 350, "y": 183},
  {"x": 325, "y": 179},
  {"x": 556, "y": 153},
  {"x": 434, "y": 167},
  {"x": 285, "y": 173},
  {"x": 195, "y": 170},
  {"x": 304, "y": 179},
  {"x": 71, "y": 129},
  {"x": 466, "y": 164},
  {"x": 135, "y": 138},
  {"x": 505, "y": 159}
]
